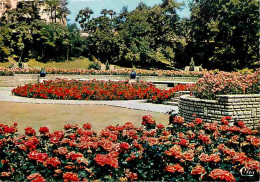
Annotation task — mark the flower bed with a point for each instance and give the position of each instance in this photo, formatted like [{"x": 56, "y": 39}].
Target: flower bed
[
  {"x": 106, "y": 72},
  {"x": 222, "y": 83},
  {"x": 185, "y": 152},
  {"x": 96, "y": 90},
  {"x": 6, "y": 72}
]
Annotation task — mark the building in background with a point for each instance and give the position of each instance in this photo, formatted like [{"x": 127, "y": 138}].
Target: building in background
[{"x": 44, "y": 10}]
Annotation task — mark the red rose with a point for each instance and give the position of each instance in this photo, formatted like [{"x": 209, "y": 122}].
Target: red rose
[
  {"x": 241, "y": 123},
  {"x": 40, "y": 157},
  {"x": 175, "y": 168},
  {"x": 33, "y": 176},
  {"x": 132, "y": 176},
  {"x": 62, "y": 151},
  {"x": 113, "y": 162},
  {"x": 69, "y": 176},
  {"x": 108, "y": 146},
  {"x": 53, "y": 161},
  {"x": 152, "y": 141},
  {"x": 74, "y": 155},
  {"x": 252, "y": 164},
  {"x": 239, "y": 157},
  {"x": 70, "y": 126},
  {"x": 105, "y": 133},
  {"x": 101, "y": 159},
  {"x": 36, "y": 177},
  {"x": 124, "y": 145},
  {"x": 224, "y": 121},
  {"x": 246, "y": 131},
  {"x": 198, "y": 170},
  {"x": 170, "y": 169},
  {"x": 160, "y": 126},
  {"x": 188, "y": 155},
  {"x": 113, "y": 137},
  {"x": 255, "y": 141},
  {"x": 29, "y": 131},
  {"x": 184, "y": 142},
  {"x": 148, "y": 120},
  {"x": 197, "y": 121},
  {"x": 87, "y": 126},
  {"x": 44, "y": 130},
  {"x": 178, "y": 119},
  {"x": 221, "y": 175}
]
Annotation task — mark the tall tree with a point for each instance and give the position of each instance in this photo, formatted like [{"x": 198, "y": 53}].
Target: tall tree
[
  {"x": 53, "y": 8},
  {"x": 224, "y": 33},
  {"x": 104, "y": 12},
  {"x": 26, "y": 11},
  {"x": 111, "y": 13},
  {"x": 63, "y": 10},
  {"x": 83, "y": 17}
]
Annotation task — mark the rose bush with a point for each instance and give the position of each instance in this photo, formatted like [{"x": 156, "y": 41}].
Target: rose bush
[
  {"x": 182, "y": 152},
  {"x": 96, "y": 90},
  {"x": 213, "y": 84},
  {"x": 6, "y": 72}
]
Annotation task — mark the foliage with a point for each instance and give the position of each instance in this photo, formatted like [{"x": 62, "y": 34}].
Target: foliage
[
  {"x": 192, "y": 65},
  {"x": 136, "y": 38},
  {"x": 58, "y": 10},
  {"x": 107, "y": 66},
  {"x": 196, "y": 151},
  {"x": 213, "y": 84},
  {"x": 83, "y": 17},
  {"x": 41, "y": 41},
  {"x": 25, "y": 12},
  {"x": 94, "y": 65},
  {"x": 96, "y": 90},
  {"x": 224, "y": 33}
]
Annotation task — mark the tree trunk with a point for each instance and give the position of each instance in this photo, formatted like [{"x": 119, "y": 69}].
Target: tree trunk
[
  {"x": 51, "y": 14},
  {"x": 55, "y": 15},
  {"x": 67, "y": 54}
]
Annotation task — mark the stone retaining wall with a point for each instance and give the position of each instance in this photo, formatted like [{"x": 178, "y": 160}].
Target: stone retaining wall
[
  {"x": 22, "y": 79},
  {"x": 239, "y": 107}
]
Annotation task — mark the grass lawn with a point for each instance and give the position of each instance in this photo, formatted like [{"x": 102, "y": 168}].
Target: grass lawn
[
  {"x": 55, "y": 116},
  {"x": 78, "y": 63}
]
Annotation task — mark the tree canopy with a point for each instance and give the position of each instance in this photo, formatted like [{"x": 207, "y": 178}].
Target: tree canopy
[{"x": 219, "y": 34}]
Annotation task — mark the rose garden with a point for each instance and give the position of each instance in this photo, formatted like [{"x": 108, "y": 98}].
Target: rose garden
[
  {"x": 191, "y": 147},
  {"x": 138, "y": 90}
]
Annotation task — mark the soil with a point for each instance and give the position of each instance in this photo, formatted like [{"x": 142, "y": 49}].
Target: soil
[{"x": 55, "y": 116}]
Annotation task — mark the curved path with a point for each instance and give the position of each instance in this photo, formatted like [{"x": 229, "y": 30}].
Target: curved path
[{"x": 6, "y": 95}]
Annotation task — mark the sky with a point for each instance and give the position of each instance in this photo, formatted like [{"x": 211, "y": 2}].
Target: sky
[{"x": 116, "y": 5}]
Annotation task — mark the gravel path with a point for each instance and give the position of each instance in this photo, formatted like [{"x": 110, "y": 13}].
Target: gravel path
[{"x": 6, "y": 95}]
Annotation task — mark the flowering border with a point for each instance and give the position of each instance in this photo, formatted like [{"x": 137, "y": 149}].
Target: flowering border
[{"x": 183, "y": 152}]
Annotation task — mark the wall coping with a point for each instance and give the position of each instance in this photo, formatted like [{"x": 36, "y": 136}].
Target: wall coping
[
  {"x": 239, "y": 96},
  {"x": 193, "y": 98}
]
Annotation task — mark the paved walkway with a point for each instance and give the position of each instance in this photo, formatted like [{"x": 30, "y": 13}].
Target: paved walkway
[{"x": 6, "y": 95}]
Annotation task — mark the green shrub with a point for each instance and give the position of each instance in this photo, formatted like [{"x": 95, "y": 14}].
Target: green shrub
[
  {"x": 107, "y": 65},
  {"x": 94, "y": 65}
]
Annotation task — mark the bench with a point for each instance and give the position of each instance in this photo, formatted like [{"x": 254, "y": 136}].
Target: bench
[{"x": 171, "y": 83}]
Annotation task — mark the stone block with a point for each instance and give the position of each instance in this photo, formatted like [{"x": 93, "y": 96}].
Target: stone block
[
  {"x": 253, "y": 112},
  {"x": 247, "y": 112},
  {"x": 205, "y": 110}
]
